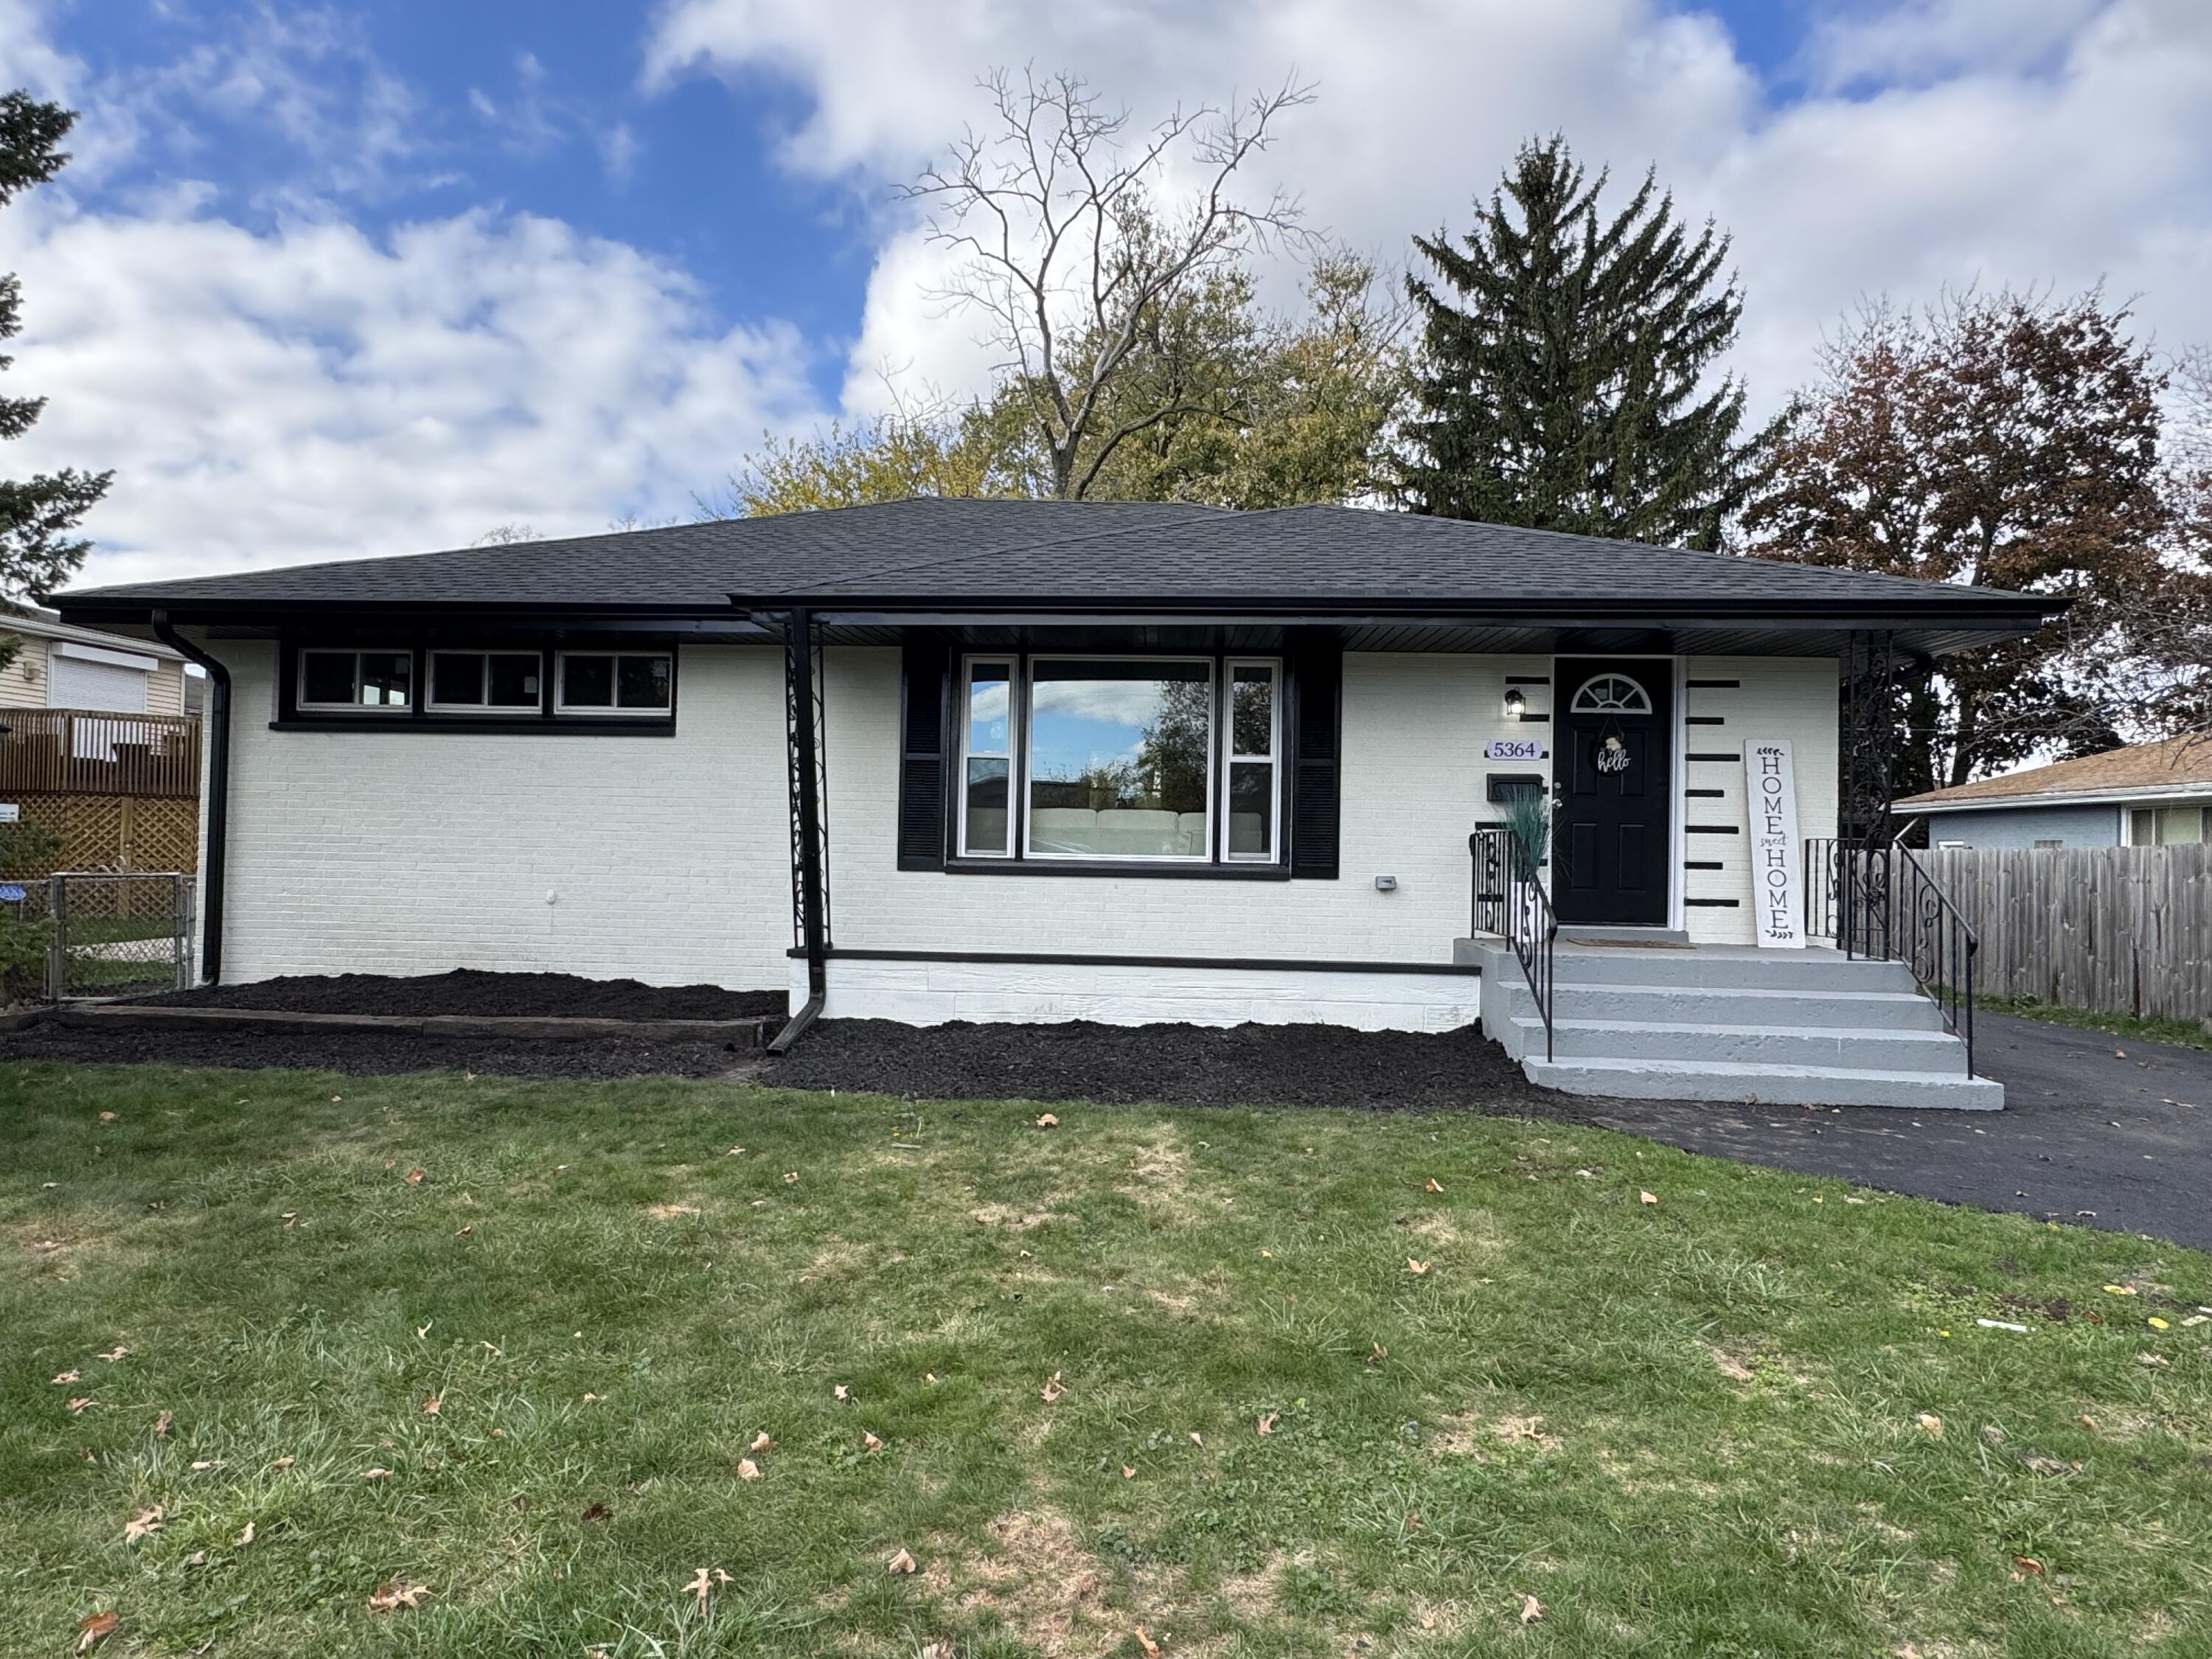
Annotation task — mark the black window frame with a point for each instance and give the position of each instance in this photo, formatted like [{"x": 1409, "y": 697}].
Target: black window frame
[
  {"x": 1218, "y": 865},
  {"x": 486, "y": 710},
  {"x": 547, "y": 718}
]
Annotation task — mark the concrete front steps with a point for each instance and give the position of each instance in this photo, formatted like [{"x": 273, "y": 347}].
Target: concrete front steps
[{"x": 1782, "y": 1028}]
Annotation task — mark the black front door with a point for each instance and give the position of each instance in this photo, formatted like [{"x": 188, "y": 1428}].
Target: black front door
[{"x": 1613, "y": 767}]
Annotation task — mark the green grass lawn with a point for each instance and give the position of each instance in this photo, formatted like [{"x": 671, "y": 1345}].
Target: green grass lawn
[{"x": 1756, "y": 1418}]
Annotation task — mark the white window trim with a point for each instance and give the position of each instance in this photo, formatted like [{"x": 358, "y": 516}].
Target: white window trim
[
  {"x": 1029, "y": 749},
  {"x": 356, "y": 707},
  {"x": 1273, "y": 758},
  {"x": 1575, "y": 703},
  {"x": 611, "y": 710},
  {"x": 486, "y": 710},
  {"x": 1013, "y": 662}
]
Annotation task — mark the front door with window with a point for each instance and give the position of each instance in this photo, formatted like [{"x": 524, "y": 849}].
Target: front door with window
[{"x": 1613, "y": 771}]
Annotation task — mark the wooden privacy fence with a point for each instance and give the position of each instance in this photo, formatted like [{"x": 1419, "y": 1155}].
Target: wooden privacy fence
[
  {"x": 68, "y": 751},
  {"x": 2123, "y": 930}
]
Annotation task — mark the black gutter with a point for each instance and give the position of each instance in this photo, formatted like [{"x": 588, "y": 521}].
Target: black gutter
[
  {"x": 217, "y": 800},
  {"x": 798, "y": 670}
]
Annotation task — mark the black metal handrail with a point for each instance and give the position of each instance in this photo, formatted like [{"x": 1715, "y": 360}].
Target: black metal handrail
[
  {"x": 1510, "y": 901},
  {"x": 1881, "y": 902}
]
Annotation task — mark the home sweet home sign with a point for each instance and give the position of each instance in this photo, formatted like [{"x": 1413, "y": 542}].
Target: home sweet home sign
[{"x": 1770, "y": 802}]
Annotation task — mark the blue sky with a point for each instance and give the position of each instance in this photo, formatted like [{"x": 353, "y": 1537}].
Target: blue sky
[{"x": 348, "y": 278}]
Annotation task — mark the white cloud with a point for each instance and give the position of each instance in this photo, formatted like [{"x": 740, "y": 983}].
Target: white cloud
[
  {"x": 309, "y": 393},
  {"x": 2030, "y": 142}
]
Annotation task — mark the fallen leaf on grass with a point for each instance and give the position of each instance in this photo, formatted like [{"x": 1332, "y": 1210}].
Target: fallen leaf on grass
[
  {"x": 791, "y": 1178},
  {"x": 1048, "y": 1121},
  {"x": 433, "y": 1405},
  {"x": 2156, "y": 1323},
  {"x": 1419, "y": 1269},
  {"x": 68, "y": 1376},
  {"x": 1266, "y": 1424},
  {"x": 593, "y": 1399},
  {"x": 2119, "y": 1290},
  {"x": 107, "y": 1117},
  {"x": 2028, "y": 1564},
  {"x": 1643, "y": 1198},
  {"x": 1127, "y": 1472},
  {"x": 1053, "y": 1389},
  {"x": 283, "y": 1462},
  {"x": 1531, "y": 1609},
  {"x": 78, "y": 1402},
  {"x": 415, "y": 1177},
  {"x": 115, "y": 1353},
  {"x": 290, "y": 1218},
  {"x": 376, "y": 1475},
  {"x": 841, "y": 1392},
  {"x": 869, "y": 1442},
  {"x": 95, "y": 1628},
  {"x": 465, "y": 1232},
  {"x": 1196, "y": 1438},
  {"x": 201, "y": 1464},
  {"x": 161, "y": 1424},
  {"x": 140, "y": 1525},
  {"x": 902, "y": 1563},
  {"x": 1377, "y": 1354},
  {"x": 1930, "y": 1425},
  {"x": 761, "y": 1442},
  {"x": 396, "y": 1593},
  {"x": 747, "y": 1469},
  {"x": 2088, "y": 1422},
  {"x": 1152, "y": 1648},
  {"x": 246, "y": 1536},
  {"x": 1432, "y": 1185}
]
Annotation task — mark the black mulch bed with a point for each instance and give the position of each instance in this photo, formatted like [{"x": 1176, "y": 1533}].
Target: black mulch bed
[
  {"x": 482, "y": 995},
  {"x": 1190, "y": 1065}
]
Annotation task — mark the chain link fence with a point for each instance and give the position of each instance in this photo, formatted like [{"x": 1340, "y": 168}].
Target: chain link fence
[{"x": 112, "y": 934}]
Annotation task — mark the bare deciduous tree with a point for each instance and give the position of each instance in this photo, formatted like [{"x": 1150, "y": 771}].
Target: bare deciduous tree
[{"x": 1074, "y": 243}]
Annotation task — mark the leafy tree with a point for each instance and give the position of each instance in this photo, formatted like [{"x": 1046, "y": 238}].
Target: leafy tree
[
  {"x": 919, "y": 448},
  {"x": 36, "y": 551},
  {"x": 1076, "y": 246},
  {"x": 1565, "y": 380},
  {"x": 2007, "y": 441},
  {"x": 1263, "y": 410}
]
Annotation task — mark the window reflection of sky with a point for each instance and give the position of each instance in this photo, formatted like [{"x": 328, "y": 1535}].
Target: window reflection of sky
[{"x": 1076, "y": 726}]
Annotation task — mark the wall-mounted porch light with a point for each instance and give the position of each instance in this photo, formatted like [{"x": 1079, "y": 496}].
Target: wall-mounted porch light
[{"x": 1516, "y": 704}]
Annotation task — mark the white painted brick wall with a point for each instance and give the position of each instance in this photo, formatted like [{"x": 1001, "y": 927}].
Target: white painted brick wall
[
  {"x": 1414, "y": 727},
  {"x": 1792, "y": 697},
  {"x": 413, "y": 852},
  {"x": 416, "y": 853}
]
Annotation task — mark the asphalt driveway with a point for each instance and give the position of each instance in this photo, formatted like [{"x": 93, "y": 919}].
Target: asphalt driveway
[{"x": 2096, "y": 1129}]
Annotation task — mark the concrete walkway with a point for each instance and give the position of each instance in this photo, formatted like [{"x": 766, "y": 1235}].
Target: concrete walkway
[{"x": 2099, "y": 1130}]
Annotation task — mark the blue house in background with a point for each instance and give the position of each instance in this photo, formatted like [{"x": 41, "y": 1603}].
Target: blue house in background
[{"x": 2154, "y": 794}]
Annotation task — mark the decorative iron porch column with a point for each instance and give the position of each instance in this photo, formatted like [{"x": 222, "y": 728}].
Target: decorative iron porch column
[
  {"x": 810, "y": 823},
  {"x": 1869, "y": 740}
]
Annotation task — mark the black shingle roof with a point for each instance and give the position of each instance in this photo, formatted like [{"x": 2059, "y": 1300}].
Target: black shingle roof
[{"x": 1117, "y": 555}]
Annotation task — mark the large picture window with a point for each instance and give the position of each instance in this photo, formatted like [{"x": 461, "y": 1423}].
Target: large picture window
[{"x": 1116, "y": 759}]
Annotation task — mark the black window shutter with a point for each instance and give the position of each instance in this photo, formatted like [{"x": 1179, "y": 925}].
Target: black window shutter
[
  {"x": 1317, "y": 760},
  {"x": 921, "y": 758}
]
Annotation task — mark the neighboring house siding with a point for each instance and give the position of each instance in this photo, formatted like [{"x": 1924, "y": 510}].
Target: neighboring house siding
[
  {"x": 1792, "y": 697},
  {"x": 23, "y": 682},
  {"x": 27, "y": 682},
  {"x": 405, "y": 853},
  {"x": 2023, "y": 826}
]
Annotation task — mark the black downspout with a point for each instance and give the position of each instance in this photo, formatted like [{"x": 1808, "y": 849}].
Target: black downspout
[
  {"x": 798, "y": 687},
  {"x": 217, "y": 804}
]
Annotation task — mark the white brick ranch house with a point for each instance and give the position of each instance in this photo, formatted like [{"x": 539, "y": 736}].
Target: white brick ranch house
[{"x": 1023, "y": 760}]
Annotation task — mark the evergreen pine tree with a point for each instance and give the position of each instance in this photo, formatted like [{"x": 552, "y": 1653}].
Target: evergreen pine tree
[
  {"x": 1564, "y": 381},
  {"x": 36, "y": 514}
]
